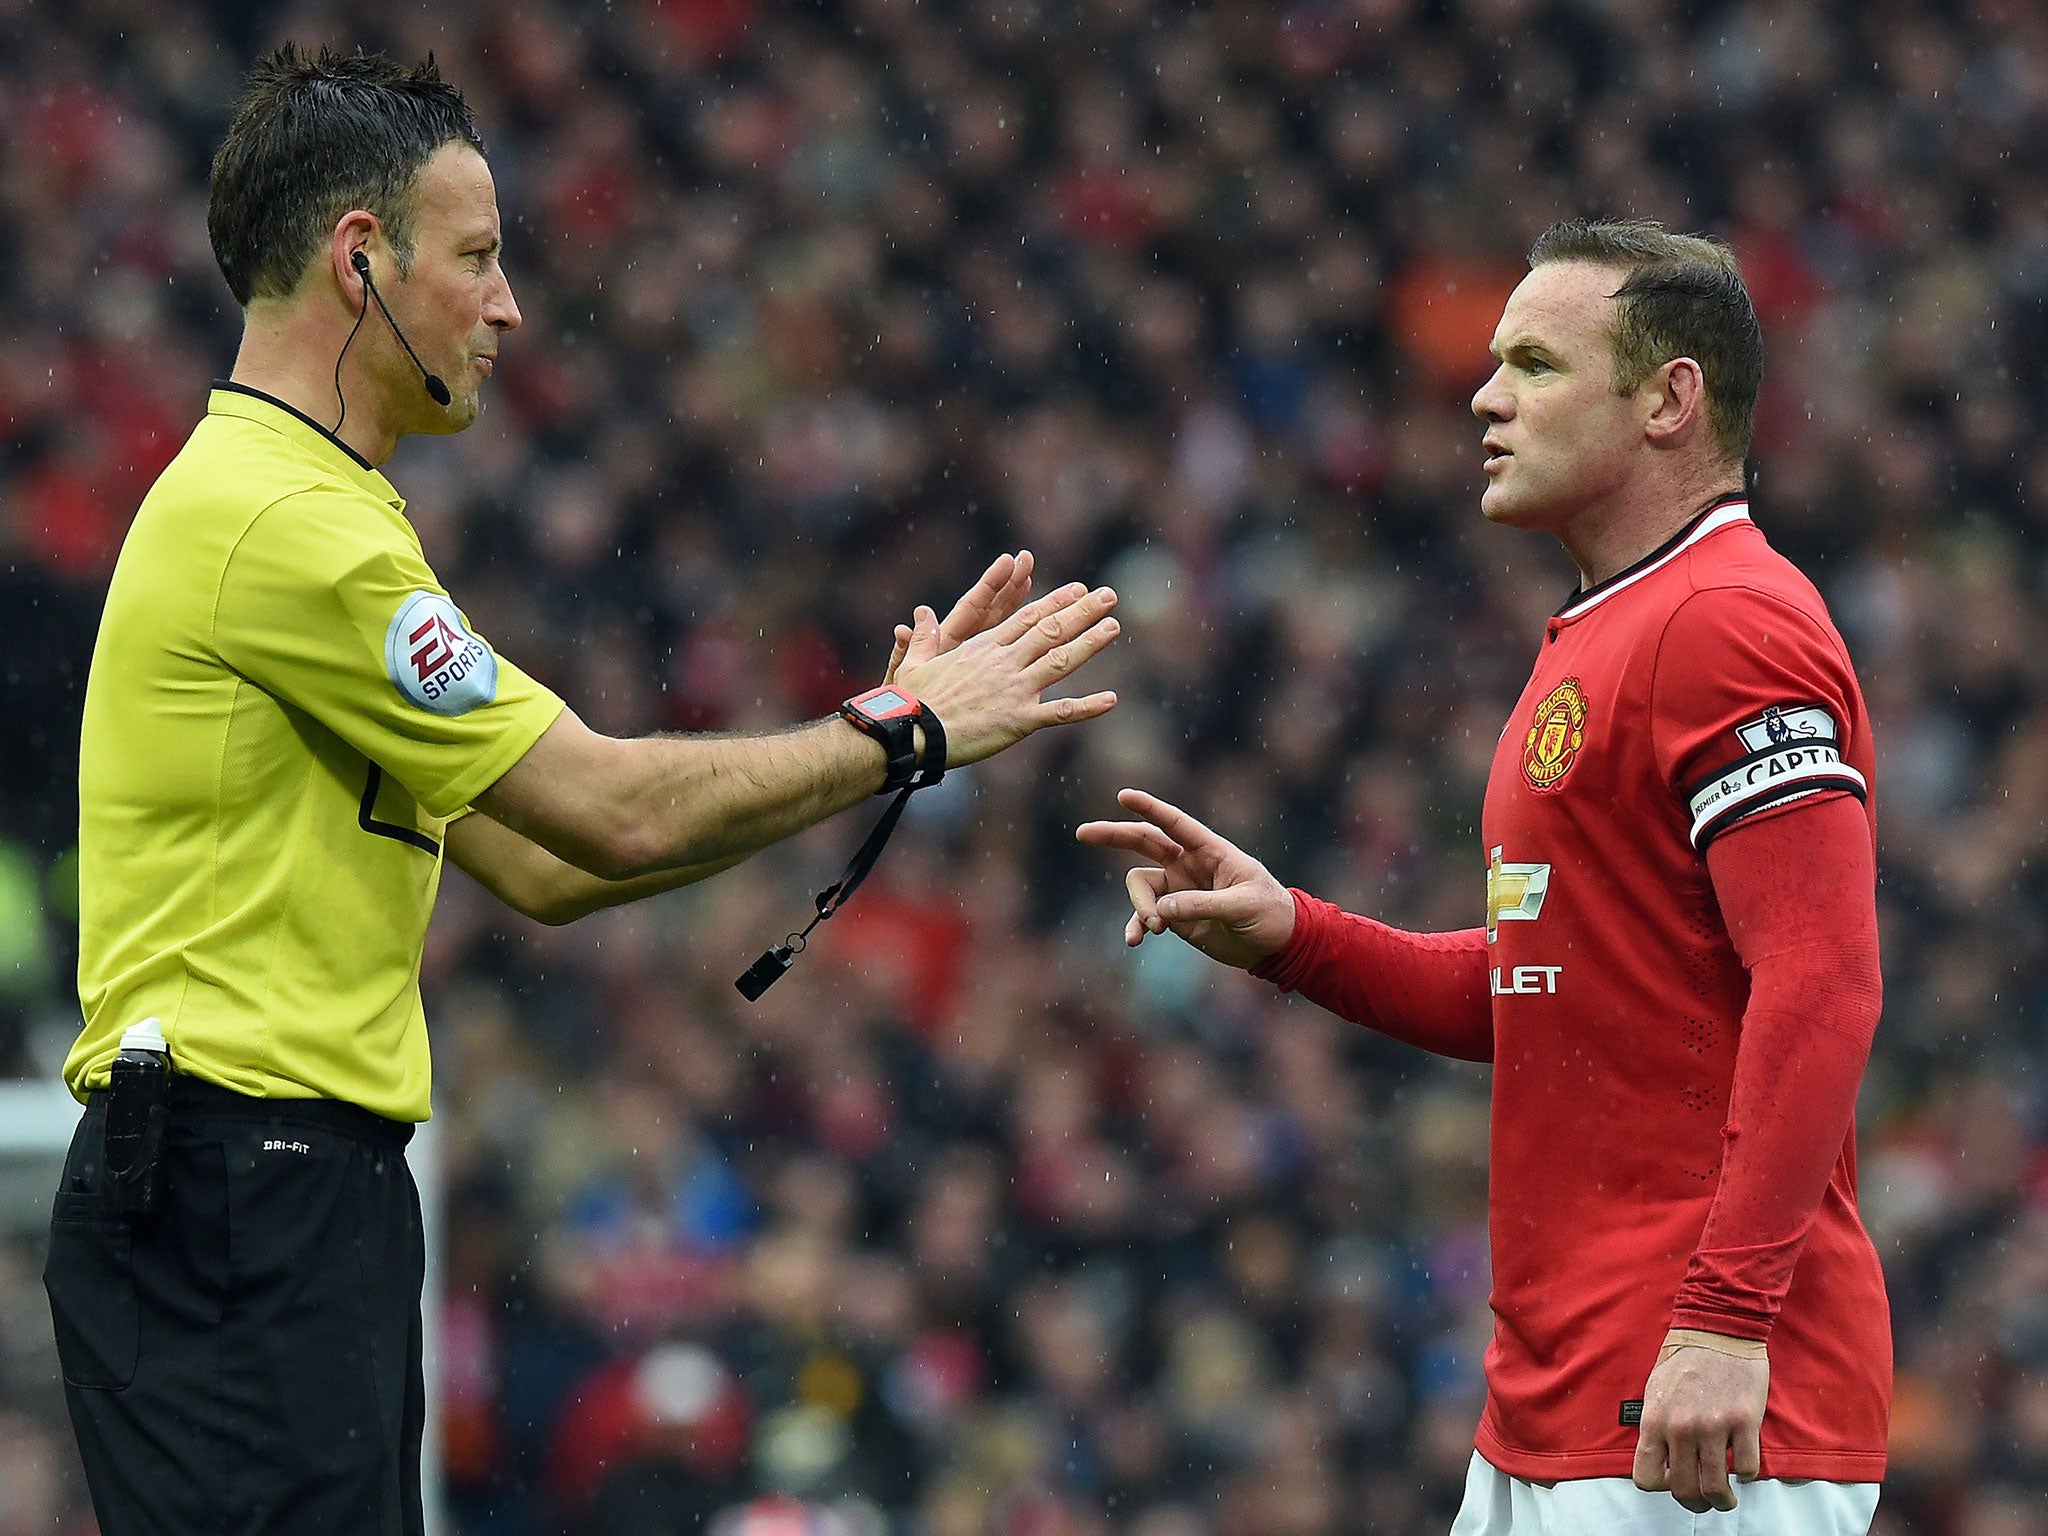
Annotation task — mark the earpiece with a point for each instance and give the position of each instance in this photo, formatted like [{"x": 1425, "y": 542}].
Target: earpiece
[{"x": 435, "y": 388}]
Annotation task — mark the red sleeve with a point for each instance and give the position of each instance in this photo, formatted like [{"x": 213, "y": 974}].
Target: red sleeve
[
  {"x": 1810, "y": 946},
  {"x": 1752, "y": 706},
  {"x": 1428, "y": 989}
]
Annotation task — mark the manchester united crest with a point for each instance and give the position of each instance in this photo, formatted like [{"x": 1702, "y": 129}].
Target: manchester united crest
[{"x": 1555, "y": 735}]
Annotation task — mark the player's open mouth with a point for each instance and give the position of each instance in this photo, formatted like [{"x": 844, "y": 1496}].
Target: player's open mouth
[
  {"x": 485, "y": 364},
  {"x": 1496, "y": 456}
]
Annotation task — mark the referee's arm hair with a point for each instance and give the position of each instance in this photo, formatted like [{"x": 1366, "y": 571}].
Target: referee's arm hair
[{"x": 675, "y": 808}]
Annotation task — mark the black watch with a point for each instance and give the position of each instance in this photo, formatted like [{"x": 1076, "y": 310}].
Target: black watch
[{"x": 892, "y": 716}]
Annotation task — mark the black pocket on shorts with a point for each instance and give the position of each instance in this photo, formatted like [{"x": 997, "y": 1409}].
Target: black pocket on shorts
[{"x": 90, "y": 1278}]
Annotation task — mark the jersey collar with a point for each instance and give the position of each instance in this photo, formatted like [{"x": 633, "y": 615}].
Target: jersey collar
[
  {"x": 232, "y": 399},
  {"x": 1712, "y": 518}
]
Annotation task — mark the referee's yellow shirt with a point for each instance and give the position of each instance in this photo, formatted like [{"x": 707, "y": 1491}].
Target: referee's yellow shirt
[{"x": 284, "y": 712}]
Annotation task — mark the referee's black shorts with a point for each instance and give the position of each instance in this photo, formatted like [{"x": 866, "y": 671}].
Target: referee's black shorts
[{"x": 248, "y": 1360}]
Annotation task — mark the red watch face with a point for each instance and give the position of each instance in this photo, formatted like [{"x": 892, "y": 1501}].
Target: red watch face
[{"x": 884, "y": 703}]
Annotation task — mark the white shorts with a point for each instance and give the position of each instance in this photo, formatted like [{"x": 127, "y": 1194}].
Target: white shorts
[{"x": 1499, "y": 1505}]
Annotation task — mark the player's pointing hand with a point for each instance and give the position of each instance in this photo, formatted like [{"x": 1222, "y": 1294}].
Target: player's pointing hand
[{"x": 1198, "y": 885}]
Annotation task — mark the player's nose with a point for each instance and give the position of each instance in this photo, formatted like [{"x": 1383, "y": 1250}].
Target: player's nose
[{"x": 1493, "y": 401}]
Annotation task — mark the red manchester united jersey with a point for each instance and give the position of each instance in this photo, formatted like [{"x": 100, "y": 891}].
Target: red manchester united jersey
[{"x": 1704, "y": 685}]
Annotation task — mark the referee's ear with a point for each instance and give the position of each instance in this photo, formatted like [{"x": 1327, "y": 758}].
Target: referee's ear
[{"x": 356, "y": 231}]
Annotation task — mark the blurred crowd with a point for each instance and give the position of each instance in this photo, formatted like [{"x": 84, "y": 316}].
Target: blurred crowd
[{"x": 978, "y": 1224}]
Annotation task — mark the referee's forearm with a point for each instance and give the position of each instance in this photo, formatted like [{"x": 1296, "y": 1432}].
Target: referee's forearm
[
  {"x": 543, "y": 886},
  {"x": 623, "y": 810},
  {"x": 716, "y": 799},
  {"x": 584, "y": 893}
]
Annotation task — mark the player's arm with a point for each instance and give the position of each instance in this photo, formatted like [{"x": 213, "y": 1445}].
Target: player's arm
[
  {"x": 621, "y": 809},
  {"x": 1810, "y": 947},
  {"x": 1752, "y": 710},
  {"x": 1815, "y": 992},
  {"x": 1424, "y": 989},
  {"x": 1428, "y": 989}
]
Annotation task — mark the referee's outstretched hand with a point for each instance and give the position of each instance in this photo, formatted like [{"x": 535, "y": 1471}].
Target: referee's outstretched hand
[
  {"x": 984, "y": 675},
  {"x": 1198, "y": 885},
  {"x": 1000, "y": 593}
]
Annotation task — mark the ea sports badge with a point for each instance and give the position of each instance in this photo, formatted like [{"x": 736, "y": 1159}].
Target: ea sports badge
[
  {"x": 434, "y": 658},
  {"x": 1555, "y": 735}
]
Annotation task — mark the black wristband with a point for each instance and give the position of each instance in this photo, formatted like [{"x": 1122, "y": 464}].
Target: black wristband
[
  {"x": 899, "y": 743},
  {"x": 931, "y": 765},
  {"x": 890, "y": 715}
]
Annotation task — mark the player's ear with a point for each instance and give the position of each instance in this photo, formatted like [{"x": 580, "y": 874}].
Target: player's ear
[{"x": 1674, "y": 399}]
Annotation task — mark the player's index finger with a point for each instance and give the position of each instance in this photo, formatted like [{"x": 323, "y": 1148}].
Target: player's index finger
[{"x": 1170, "y": 819}]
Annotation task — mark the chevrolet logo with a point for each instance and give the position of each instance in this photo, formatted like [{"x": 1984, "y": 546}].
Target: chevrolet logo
[{"x": 1514, "y": 893}]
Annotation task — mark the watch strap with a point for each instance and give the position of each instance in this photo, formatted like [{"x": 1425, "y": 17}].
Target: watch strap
[
  {"x": 931, "y": 767},
  {"x": 898, "y": 736}
]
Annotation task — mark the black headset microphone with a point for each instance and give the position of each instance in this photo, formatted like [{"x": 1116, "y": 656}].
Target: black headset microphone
[{"x": 435, "y": 387}]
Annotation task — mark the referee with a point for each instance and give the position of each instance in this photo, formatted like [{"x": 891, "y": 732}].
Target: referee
[{"x": 288, "y": 722}]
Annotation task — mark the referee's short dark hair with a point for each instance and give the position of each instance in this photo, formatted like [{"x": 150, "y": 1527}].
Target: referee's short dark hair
[
  {"x": 313, "y": 137},
  {"x": 1681, "y": 296}
]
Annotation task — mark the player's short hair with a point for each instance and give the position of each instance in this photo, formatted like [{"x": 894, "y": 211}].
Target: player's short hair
[
  {"x": 1682, "y": 296},
  {"x": 314, "y": 136}
]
